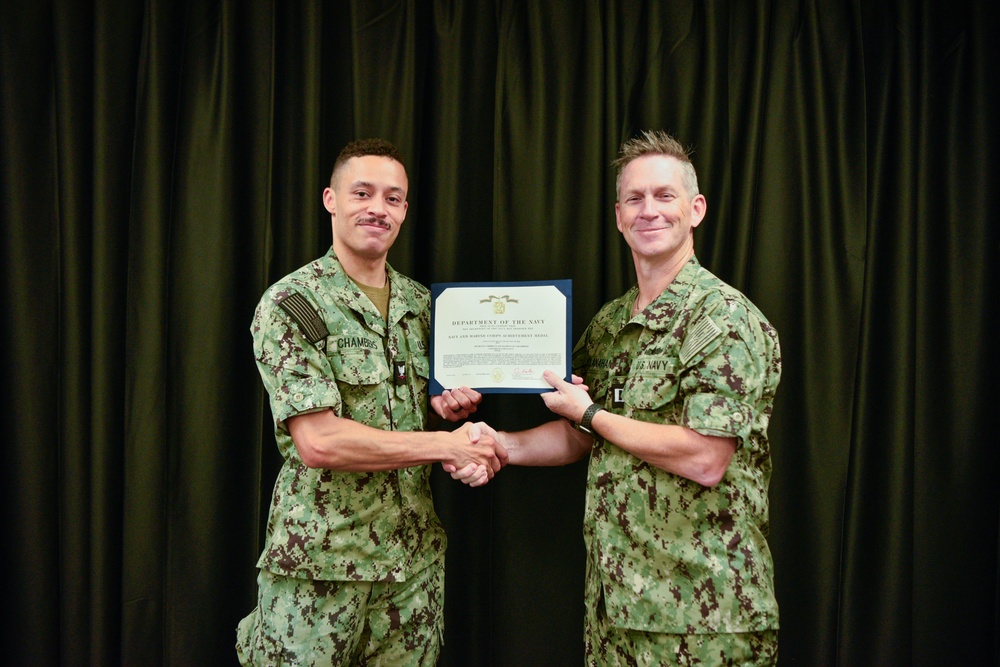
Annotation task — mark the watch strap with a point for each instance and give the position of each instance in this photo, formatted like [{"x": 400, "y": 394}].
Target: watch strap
[{"x": 588, "y": 417}]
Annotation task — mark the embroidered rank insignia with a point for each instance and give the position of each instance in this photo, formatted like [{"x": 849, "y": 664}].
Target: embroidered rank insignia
[
  {"x": 307, "y": 317},
  {"x": 399, "y": 371},
  {"x": 703, "y": 332}
]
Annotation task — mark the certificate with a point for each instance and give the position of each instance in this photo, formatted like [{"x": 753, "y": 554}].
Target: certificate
[{"x": 500, "y": 337}]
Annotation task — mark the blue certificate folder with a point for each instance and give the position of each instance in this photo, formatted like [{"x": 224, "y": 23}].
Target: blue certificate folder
[{"x": 497, "y": 337}]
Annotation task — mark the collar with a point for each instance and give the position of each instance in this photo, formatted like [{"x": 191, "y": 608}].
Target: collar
[
  {"x": 401, "y": 301},
  {"x": 659, "y": 314}
]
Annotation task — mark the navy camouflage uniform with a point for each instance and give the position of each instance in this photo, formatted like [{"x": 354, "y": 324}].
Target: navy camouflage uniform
[
  {"x": 665, "y": 554},
  {"x": 340, "y": 544}
]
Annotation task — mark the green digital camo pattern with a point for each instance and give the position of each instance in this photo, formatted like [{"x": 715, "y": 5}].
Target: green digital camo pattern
[
  {"x": 674, "y": 556},
  {"x": 610, "y": 646},
  {"x": 344, "y": 622},
  {"x": 377, "y": 526},
  {"x": 631, "y": 648}
]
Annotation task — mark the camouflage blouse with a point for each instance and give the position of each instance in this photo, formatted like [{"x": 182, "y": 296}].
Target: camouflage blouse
[
  {"x": 674, "y": 556},
  {"x": 320, "y": 343}
]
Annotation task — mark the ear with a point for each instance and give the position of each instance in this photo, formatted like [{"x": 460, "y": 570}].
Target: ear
[
  {"x": 618, "y": 216},
  {"x": 329, "y": 201},
  {"x": 699, "y": 206}
]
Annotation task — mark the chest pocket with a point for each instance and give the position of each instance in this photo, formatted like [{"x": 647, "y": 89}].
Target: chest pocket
[
  {"x": 358, "y": 367},
  {"x": 651, "y": 388},
  {"x": 421, "y": 367},
  {"x": 362, "y": 376},
  {"x": 599, "y": 378}
]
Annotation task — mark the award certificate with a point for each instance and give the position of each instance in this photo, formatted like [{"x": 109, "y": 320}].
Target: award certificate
[{"x": 500, "y": 337}]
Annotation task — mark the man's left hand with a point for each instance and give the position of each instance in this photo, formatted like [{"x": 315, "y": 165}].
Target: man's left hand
[
  {"x": 568, "y": 400},
  {"x": 456, "y": 404}
]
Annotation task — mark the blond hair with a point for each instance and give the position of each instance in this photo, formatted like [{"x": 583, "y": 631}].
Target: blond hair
[{"x": 655, "y": 142}]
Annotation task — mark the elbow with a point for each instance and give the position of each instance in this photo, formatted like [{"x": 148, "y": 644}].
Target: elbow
[
  {"x": 309, "y": 453},
  {"x": 310, "y": 448},
  {"x": 710, "y": 476},
  {"x": 310, "y": 459},
  {"x": 710, "y": 466},
  {"x": 312, "y": 435},
  {"x": 710, "y": 471}
]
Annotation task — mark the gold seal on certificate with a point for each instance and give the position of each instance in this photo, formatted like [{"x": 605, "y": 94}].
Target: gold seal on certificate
[{"x": 500, "y": 337}]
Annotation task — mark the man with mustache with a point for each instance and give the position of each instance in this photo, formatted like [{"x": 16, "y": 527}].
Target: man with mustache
[
  {"x": 679, "y": 376},
  {"x": 352, "y": 570}
]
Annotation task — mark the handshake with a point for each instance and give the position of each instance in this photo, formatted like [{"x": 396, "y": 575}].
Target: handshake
[
  {"x": 480, "y": 455},
  {"x": 477, "y": 451}
]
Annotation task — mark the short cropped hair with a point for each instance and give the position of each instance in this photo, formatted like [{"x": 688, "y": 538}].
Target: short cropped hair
[
  {"x": 655, "y": 142},
  {"x": 361, "y": 148}
]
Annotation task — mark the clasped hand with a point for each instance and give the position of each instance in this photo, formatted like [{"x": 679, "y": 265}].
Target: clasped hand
[
  {"x": 569, "y": 400},
  {"x": 482, "y": 456}
]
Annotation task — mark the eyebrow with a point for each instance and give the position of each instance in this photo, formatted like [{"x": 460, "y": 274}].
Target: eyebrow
[
  {"x": 371, "y": 186},
  {"x": 654, "y": 190}
]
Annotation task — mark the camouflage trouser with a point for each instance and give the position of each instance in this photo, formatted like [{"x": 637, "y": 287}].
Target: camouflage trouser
[
  {"x": 311, "y": 622},
  {"x": 607, "y": 645}
]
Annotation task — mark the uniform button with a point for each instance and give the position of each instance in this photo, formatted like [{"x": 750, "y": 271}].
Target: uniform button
[{"x": 297, "y": 398}]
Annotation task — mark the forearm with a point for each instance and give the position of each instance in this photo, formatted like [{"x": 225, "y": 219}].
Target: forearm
[
  {"x": 324, "y": 440},
  {"x": 552, "y": 444},
  {"x": 676, "y": 449}
]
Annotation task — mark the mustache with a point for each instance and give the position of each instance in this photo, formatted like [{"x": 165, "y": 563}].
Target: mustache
[{"x": 375, "y": 221}]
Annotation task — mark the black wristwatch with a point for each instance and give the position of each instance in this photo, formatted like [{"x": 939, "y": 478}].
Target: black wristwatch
[{"x": 588, "y": 417}]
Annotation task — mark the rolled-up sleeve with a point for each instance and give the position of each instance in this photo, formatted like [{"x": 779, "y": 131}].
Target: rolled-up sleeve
[
  {"x": 723, "y": 382},
  {"x": 295, "y": 372}
]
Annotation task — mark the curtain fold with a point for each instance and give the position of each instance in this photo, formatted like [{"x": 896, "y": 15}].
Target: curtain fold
[
  {"x": 31, "y": 255},
  {"x": 162, "y": 163},
  {"x": 146, "y": 473}
]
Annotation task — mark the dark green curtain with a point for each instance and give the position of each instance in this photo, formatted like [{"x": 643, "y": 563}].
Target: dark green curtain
[{"x": 161, "y": 163}]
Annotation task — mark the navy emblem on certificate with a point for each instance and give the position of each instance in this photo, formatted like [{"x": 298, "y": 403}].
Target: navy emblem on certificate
[{"x": 500, "y": 337}]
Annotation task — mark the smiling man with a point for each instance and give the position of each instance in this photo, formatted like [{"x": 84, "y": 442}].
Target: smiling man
[
  {"x": 679, "y": 376},
  {"x": 352, "y": 570}
]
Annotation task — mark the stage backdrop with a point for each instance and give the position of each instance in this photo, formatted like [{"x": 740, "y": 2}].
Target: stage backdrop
[{"x": 162, "y": 162}]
